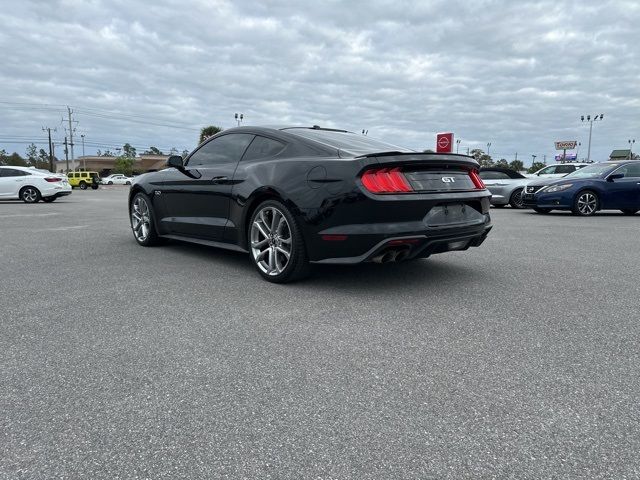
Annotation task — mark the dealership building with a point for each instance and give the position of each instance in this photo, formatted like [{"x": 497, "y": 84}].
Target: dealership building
[{"x": 104, "y": 165}]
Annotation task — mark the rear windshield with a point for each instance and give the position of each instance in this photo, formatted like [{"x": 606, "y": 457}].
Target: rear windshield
[
  {"x": 346, "y": 141},
  {"x": 592, "y": 171}
]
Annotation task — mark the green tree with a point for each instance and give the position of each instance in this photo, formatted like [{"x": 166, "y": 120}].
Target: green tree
[
  {"x": 3, "y": 157},
  {"x": 107, "y": 153},
  {"x": 124, "y": 165},
  {"x": 502, "y": 163},
  {"x": 153, "y": 151},
  {"x": 15, "y": 160},
  {"x": 128, "y": 151},
  {"x": 173, "y": 151},
  {"x": 516, "y": 165},
  {"x": 185, "y": 153},
  {"x": 207, "y": 132},
  {"x": 482, "y": 158},
  {"x": 536, "y": 166},
  {"x": 32, "y": 154}
]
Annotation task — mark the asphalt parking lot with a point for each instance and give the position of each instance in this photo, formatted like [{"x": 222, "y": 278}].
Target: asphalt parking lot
[{"x": 518, "y": 359}]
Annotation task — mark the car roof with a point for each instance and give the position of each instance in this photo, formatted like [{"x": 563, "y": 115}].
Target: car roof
[{"x": 506, "y": 171}]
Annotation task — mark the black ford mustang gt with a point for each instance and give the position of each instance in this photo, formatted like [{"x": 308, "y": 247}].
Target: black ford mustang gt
[{"x": 294, "y": 196}]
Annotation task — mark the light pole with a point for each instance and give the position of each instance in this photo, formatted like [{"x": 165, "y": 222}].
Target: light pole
[
  {"x": 488, "y": 148},
  {"x": 578, "y": 151},
  {"x": 590, "y": 121},
  {"x": 631, "y": 142},
  {"x": 457, "y": 145},
  {"x": 533, "y": 159},
  {"x": 239, "y": 117},
  {"x": 84, "y": 160}
]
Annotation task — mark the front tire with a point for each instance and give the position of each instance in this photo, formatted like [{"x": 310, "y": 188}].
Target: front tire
[
  {"x": 516, "y": 199},
  {"x": 586, "y": 204},
  {"x": 541, "y": 210},
  {"x": 276, "y": 244},
  {"x": 142, "y": 223},
  {"x": 83, "y": 185}
]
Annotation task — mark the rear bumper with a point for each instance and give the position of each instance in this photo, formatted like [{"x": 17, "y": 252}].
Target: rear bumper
[{"x": 418, "y": 244}]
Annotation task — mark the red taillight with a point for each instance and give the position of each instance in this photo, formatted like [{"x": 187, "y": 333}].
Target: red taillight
[
  {"x": 477, "y": 181},
  {"x": 53, "y": 179},
  {"x": 385, "y": 180}
]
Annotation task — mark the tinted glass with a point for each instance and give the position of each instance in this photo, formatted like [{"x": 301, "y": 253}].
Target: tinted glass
[
  {"x": 262, "y": 147},
  {"x": 225, "y": 149},
  {"x": 632, "y": 170},
  {"x": 548, "y": 170},
  {"x": 347, "y": 141},
  {"x": 10, "y": 172},
  {"x": 565, "y": 169},
  {"x": 493, "y": 175}
]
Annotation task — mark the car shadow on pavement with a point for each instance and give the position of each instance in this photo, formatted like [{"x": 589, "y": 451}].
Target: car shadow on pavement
[{"x": 436, "y": 272}]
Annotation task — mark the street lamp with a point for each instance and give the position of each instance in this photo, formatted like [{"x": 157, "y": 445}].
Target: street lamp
[
  {"x": 488, "y": 148},
  {"x": 578, "y": 151},
  {"x": 631, "y": 142},
  {"x": 457, "y": 145},
  {"x": 533, "y": 159},
  {"x": 590, "y": 121},
  {"x": 239, "y": 117}
]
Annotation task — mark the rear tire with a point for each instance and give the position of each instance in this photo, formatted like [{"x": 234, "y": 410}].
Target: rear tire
[
  {"x": 110, "y": 183},
  {"x": 516, "y": 199},
  {"x": 142, "y": 221},
  {"x": 30, "y": 195},
  {"x": 586, "y": 203},
  {"x": 628, "y": 211},
  {"x": 94, "y": 187},
  {"x": 541, "y": 210},
  {"x": 276, "y": 244}
]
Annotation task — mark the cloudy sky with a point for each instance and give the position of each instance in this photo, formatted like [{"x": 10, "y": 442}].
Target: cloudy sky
[{"x": 516, "y": 74}]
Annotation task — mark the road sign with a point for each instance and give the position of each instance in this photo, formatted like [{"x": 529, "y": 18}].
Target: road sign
[
  {"x": 566, "y": 145},
  {"x": 444, "y": 142}
]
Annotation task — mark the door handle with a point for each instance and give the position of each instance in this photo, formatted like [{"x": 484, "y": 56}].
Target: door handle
[{"x": 219, "y": 179}]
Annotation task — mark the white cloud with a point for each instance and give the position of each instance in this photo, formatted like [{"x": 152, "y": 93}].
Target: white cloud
[{"x": 517, "y": 74}]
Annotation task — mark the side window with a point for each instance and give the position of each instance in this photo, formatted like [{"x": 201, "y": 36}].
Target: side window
[
  {"x": 565, "y": 169},
  {"x": 630, "y": 170},
  {"x": 10, "y": 172},
  {"x": 489, "y": 175},
  {"x": 72, "y": 175},
  {"x": 263, "y": 147},
  {"x": 548, "y": 170},
  {"x": 225, "y": 149}
]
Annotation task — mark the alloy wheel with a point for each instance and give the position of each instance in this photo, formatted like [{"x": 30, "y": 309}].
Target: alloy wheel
[
  {"x": 587, "y": 203},
  {"x": 271, "y": 241},
  {"x": 516, "y": 199},
  {"x": 140, "y": 219},
  {"x": 30, "y": 195}
]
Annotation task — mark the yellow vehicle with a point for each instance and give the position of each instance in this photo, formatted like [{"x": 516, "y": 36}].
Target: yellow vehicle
[{"x": 84, "y": 180}]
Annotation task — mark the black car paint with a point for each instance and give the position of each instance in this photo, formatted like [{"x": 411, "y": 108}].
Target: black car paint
[{"x": 321, "y": 187}]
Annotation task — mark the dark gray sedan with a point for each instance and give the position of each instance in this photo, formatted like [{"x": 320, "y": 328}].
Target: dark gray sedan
[{"x": 505, "y": 185}]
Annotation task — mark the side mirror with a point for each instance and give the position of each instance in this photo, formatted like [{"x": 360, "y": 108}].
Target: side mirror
[
  {"x": 175, "y": 161},
  {"x": 615, "y": 176}
]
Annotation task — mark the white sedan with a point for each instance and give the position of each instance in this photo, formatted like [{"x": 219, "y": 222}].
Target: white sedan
[
  {"x": 31, "y": 185},
  {"x": 116, "y": 179}
]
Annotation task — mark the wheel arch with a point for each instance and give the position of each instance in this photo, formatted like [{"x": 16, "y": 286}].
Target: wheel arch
[{"x": 260, "y": 195}]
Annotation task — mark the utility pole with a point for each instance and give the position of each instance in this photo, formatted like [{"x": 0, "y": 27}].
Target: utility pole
[
  {"x": 84, "y": 160},
  {"x": 516, "y": 156},
  {"x": 69, "y": 112},
  {"x": 66, "y": 153},
  {"x": 48, "y": 130}
]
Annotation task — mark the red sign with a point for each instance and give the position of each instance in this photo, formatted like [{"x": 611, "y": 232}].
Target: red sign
[{"x": 444, "y": 142}]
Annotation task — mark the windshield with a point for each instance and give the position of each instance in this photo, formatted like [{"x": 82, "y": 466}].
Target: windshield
[
  {"x": 592, "y": 171},
  {"x": 346, "y": 141}
]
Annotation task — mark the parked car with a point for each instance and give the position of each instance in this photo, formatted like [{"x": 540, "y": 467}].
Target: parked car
[
  {"x": 505, "y": 185},
  {"x": 117, "y": 179},
  {"x": 294, "y": 196},
  {"x": 606, "y": 185},
  {"x": 558, "y": 170},
  {"x": 31, "y": 185},
  {"x": 84, "y": 180}
]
